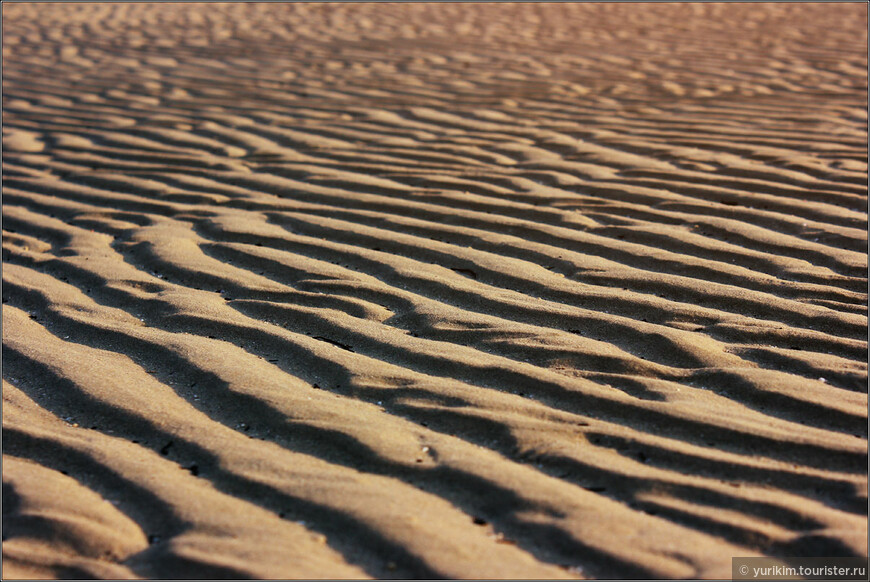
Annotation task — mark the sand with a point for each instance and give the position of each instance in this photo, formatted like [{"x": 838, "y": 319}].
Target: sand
[{"x": 432, "y": 290}]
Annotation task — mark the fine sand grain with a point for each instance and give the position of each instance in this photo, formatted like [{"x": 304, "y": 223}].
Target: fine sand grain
[{"x": 432, "y": 290}]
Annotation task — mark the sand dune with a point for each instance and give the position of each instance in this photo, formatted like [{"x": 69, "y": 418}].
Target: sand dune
[{"x": 432, "y": 290}]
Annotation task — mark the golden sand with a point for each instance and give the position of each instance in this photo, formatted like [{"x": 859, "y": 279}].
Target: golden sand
[{"x": 432, "y": 290}]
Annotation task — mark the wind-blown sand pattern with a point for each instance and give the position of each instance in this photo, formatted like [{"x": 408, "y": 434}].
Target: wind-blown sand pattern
[{"x": 451, "y": 291}]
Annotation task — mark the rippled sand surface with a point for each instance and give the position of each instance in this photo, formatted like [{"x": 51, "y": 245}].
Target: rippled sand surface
[{"x": 427, "y": 290}]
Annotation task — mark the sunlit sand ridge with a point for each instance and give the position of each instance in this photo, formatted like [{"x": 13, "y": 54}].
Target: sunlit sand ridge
[{"x": 428, "y": 290}]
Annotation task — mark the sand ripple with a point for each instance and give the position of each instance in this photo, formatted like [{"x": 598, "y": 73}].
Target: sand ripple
[{"x": 444, "y": 291}]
